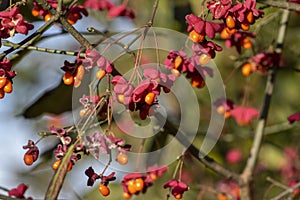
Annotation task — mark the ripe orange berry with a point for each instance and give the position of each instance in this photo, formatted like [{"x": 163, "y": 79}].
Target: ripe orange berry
[
  {"x": 72, "y": 21},
  {"x": 35, "y": 12},
  {"x": 250, "y": 17},
  {"x": 100, "y": 74},
  {"x": 104, "y": 190},
  {"x": 70, "y": 166},
  {"x": 8, "y": 87},
  {"x": 28, "y": 159},
  {"x": 261, "y": 67},
  {"x": 68, "y": 78},
  {"x": 245, "y": 26},
  {"x": 131, "y": 187},
  {"x": 296, "y": 192},
  {"x": 230, "y": 23},
  {"x": 224, "y": 34},
  {"x": 2, "y": 82},
  {"x": 47, "y": 17},
  {"x": 178, "y": 196},
  {"x": 153, "y": 176},
  {"x": 126, "y": 195},
  {"x": 222, "y": 196},
  {"x": 79, "y": 72},
  {"x": 246, "y": 69},
  {"x": 195, "y": 83},
  {"x": 56, "y": 164},
  {"x": 77, "y": 82},
  {"x": 204, "y": 59},
  {"x": 121, "y": 98},
  {"x": 177, "y": 62},
  {"x": 198, "y": 83},
  {"x": 79, "y": 76},
  {"x": 2, "y": 93},
  {"x": 221, "y": 109},
  {"x": 139, "y": 184},
  {"x": 72, "y": 18},
  {"x": 122, "y": 158},
  {"x": 84, "y": 112},
  {"x": 246, "y": 43},
  {"x": 175, "y": 72},
  {"x": 196, "y": 37},
  {"x": 227, "y": 114},
  {"x": 230, "y": 31},
  {"x": 149, "y": 98}
]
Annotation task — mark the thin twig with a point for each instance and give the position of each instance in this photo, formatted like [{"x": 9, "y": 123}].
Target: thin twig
[
  {"x": 277, "y": 128},
  {"x": 30, "y": 39},
  {"x": 78, "y": 36},
  {"x": 281, "y": 4},
  {"x": 195, "y": 152},
  {"x": 278, "y": 184},
  {"x": 9, "y": 198},
  {"x": 41, "y": 49},
  {"x": 286, "y": 192},
  {"x": 155, "y": 6},
  {"x": 247, "y": 174}
]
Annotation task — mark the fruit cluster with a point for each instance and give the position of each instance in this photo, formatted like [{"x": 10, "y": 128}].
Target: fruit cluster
[
  {"x": 92, "y": 104},
  {"x": 74, "y": 13},
  {"x": 178, "y": 62},
  {"x": 62, "y": 148},
  {"x": 99, "y": 143},
  {"x": 238, "y": 40},
  {"x": 31, "y": 154},
  {"x": 261, "y": 63},
  {"x": 177, "y": 188},
  {"x": 198, "y": 29},
  {"x": 74, "y": 73},
  {"x": 6, "y": 76},
  {"x": 103, "y": 186},
  {"x": 113, "y": 10},
  {"x": 12, "y": 22},
  {"x": 19, "y": 192},
  {"x": 242, "y": 114},
  {"x": 143, "y": 96},
  {"x": 134, "y": 183}
]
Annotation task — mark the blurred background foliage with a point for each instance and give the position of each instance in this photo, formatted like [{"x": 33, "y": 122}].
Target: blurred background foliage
[{"x": 40, "y": 72}]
